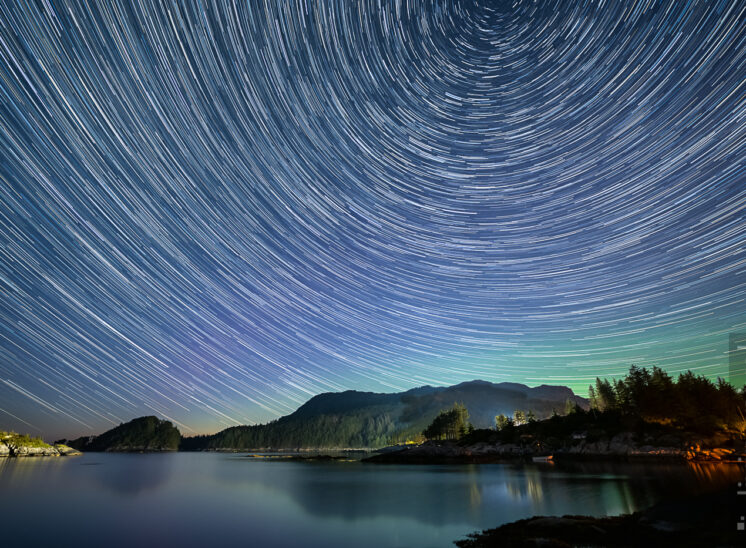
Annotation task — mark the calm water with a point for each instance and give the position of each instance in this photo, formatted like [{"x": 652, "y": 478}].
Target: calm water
[{"x": 202, "y": 499}]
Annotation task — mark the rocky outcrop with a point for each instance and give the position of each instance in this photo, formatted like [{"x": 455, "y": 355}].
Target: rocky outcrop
[
  {"x": 30, "y": 451},
  {"x": 15, "y": 445},
  {"x": 66, "y": 451}
]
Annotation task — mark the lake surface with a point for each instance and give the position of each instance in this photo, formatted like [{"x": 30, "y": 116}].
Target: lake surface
[{"x": 207, "y": 499}]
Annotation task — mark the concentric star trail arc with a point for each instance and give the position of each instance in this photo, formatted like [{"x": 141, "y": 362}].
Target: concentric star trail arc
[{"x": 211, "y": 211}]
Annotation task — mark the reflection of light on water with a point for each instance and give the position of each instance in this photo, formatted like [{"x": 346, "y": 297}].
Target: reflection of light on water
[
  {"x": 701, "y": 470},
  {"x": 715, "y": 472},
  {"x": 475, "y": 496},
  {"x": 626, "y": 499},
  {"x": 17, "y": 470},
  {"x": 530, "y": 488},
  {"x": 475, "y": 490},
  {"x": 599, "y": 489},
  {"x": 533, "y": 486}
]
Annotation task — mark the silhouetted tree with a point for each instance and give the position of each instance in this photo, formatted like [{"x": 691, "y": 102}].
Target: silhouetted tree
[
  {"x": 570, "y": 406},
  {"x": 606, "y": 396},
  {"x": 519, "y": 417},
  {"x": 501, "y": 421},
  {"x": 450, "y": 424},
  {"x": 593, "y": 398},
  {"x": 692, "y": 401}
]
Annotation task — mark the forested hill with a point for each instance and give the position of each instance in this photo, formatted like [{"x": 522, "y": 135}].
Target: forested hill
[
  {"x": 368, "y": 420},
  {"x": 142, "y": 434}
]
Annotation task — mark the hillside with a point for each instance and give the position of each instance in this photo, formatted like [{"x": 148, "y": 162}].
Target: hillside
[
  {"x": 142, "y": 434},
  {"x": 354, "y": 419}
]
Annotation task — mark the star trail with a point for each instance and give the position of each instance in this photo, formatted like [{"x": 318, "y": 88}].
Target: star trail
[{"x": 212, "y": 211}]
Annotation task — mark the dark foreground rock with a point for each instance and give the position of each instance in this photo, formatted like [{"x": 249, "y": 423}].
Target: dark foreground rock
[{"x": 705, "y": 520}]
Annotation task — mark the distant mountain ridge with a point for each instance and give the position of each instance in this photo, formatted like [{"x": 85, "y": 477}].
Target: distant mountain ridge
[
  {"x": 352, "y": 419},
  {"x": 343, "y": 420}
]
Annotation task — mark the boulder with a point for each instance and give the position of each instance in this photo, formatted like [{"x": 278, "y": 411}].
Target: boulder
[{"x": 66, "y": 451}]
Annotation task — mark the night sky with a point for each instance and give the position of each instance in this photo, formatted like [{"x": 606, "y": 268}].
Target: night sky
[{"x": 211, "y": 212}]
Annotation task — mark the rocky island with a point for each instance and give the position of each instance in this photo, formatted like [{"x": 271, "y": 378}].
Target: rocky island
[
  {"x": 21, "y": 445},
  {"x": 141, "y": 435}
]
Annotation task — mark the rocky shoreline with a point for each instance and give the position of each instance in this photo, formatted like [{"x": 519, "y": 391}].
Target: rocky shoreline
[
  {"x": 300, "y": 458},
  {"x": 620, "y": 447}
]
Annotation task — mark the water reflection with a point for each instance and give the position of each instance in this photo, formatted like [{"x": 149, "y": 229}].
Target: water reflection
[
  {"x": 526, "y": 487},
  {"x": 17, "y": 472},
  {"x": 616, "y": 487},
  {"x": 211, "y": 499},
  {"x": 372, "y": 492},
  {"x": 133, "y": 474},
  {"x": 472, "y": 494},
  {"x": 122, "y": 474}
]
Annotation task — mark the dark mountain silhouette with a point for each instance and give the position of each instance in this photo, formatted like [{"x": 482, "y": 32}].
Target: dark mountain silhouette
[
  {"x": 354, "y": 419},
  {"x": 142, "y": 434}
]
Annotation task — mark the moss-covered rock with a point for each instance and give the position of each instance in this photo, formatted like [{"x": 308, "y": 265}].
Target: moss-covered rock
[{"x": 22, "y": 445}]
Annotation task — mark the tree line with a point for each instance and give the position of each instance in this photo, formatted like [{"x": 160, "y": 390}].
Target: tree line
[
  {"x": 689, "y": 402},
  {"x": 450, "y": 424}
]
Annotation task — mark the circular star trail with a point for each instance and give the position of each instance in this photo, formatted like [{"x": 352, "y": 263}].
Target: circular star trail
[{"x": 212, "y": 211}]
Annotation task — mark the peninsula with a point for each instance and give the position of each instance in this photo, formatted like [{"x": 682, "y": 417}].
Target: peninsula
[{"x": 646, "y": 414}]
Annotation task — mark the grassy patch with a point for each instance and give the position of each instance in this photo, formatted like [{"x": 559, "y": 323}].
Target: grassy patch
[{"x": 11, "y": 438}]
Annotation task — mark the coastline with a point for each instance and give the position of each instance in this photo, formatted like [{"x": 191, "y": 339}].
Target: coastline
[{"x": 618, "y": 448}]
